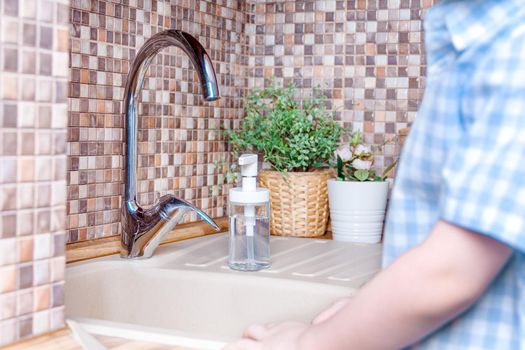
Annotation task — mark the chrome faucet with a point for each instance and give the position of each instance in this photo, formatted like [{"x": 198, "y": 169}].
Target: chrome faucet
[{"x": 144, "y": 229}]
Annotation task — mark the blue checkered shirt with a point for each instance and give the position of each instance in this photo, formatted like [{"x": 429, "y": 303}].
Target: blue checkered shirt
[{"x": 464, "y": 160}]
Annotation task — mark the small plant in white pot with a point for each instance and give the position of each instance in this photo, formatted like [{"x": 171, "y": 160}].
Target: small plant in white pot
[{"x": 358, "y": 196}]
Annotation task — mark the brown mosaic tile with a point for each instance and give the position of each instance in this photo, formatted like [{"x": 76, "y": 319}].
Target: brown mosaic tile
[
  {"x": 367, "y": 57},
  {"x": 41, "y": 298},
  {"x": 25, "y": 326},
  {"x": 177, "y": 147},
  {"x": 8, "y": 280},
  {"x": 25, "y": 249}
]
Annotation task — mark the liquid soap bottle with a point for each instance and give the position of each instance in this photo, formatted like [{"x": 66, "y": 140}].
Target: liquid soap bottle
[{"x": 249, "y": 208}]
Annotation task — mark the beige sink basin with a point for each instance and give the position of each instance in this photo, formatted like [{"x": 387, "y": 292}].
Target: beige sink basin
[{"x": 187, "y": 288}]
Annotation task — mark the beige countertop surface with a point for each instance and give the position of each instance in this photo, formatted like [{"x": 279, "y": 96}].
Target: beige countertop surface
[{"x": 64, "y": 339}]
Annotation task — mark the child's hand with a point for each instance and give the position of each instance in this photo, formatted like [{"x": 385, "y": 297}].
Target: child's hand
[
  {"x": 284, "y": 336},
  {"x": 332, "y": 310}
]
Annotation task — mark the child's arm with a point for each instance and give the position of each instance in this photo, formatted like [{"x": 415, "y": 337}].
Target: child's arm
[{"x": 423, "y": 289}]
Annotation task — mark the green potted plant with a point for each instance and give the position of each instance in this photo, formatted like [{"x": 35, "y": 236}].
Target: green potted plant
[
  {"x": 357, "y": 196},
  {"x": 297, "y": 138}
]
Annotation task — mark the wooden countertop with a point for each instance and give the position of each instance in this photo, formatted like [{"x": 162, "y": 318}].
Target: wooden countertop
[
  {"x": 64, "y": 340},
  {"x": 111, "y": 245}
]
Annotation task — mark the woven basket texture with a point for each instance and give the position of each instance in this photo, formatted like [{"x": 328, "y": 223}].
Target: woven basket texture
[{"x": 299, "y": 202}]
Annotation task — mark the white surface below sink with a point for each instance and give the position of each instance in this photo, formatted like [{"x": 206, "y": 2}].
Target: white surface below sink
[{"x": 186, "y": 291}]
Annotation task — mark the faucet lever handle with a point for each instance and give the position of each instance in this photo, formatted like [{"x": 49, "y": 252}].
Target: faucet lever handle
[
  {"x": 171, "y": 210},
  {"x": 182, "y": 204}
]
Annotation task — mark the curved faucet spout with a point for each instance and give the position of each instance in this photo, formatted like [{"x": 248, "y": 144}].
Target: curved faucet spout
[{"x": 143, "y": 229}]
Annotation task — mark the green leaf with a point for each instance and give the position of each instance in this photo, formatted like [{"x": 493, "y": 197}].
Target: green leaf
[
  {"x": 340, "y": 172},
  {"x": 361, "y": 174},
  {"x": 291, "y": 135},
  {"x": 388, "y": 169},
  {"x": 231, "y": 176},
  {"x": 356, "y": 138}
]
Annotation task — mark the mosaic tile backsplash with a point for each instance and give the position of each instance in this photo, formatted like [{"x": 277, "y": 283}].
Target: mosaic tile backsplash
[
  {"x": 33, "y": 126},
  {"x": 367, "y": 56},
  {"x": 178, "y": 132}
]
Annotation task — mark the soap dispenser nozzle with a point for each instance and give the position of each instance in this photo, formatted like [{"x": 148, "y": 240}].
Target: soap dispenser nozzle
[{"x": 248, "y": 165}]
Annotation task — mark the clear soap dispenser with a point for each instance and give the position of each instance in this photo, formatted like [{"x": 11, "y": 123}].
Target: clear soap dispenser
[{"x": 249, "y": 210}]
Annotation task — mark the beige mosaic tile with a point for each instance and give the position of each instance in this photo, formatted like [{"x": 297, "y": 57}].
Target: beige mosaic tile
[
  {"x": 177, "y": 142},
  {"x": 32, "y": 157},
  {"x": 367, "y": 57}
]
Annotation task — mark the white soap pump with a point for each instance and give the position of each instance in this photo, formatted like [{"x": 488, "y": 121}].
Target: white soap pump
[{"x": 249, "y": 220}]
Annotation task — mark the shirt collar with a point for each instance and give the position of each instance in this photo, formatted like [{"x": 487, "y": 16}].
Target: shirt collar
[{"x": 471, "y": 22}]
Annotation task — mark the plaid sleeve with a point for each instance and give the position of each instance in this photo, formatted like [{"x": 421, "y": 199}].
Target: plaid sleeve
[{"x": 483, "y": 187}]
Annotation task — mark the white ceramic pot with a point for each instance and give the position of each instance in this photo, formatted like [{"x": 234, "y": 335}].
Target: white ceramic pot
[{"x": 357, "y": 210}]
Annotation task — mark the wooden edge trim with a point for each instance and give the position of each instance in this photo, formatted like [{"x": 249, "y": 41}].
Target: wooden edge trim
[
  {"x": 403, "y": 132},
  {"x": 111, "y": 245},
  {"x": 39, "y": 340}
]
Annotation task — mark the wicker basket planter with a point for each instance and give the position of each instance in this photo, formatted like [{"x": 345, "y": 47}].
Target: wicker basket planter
[{"x": 299, "y": 202}]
